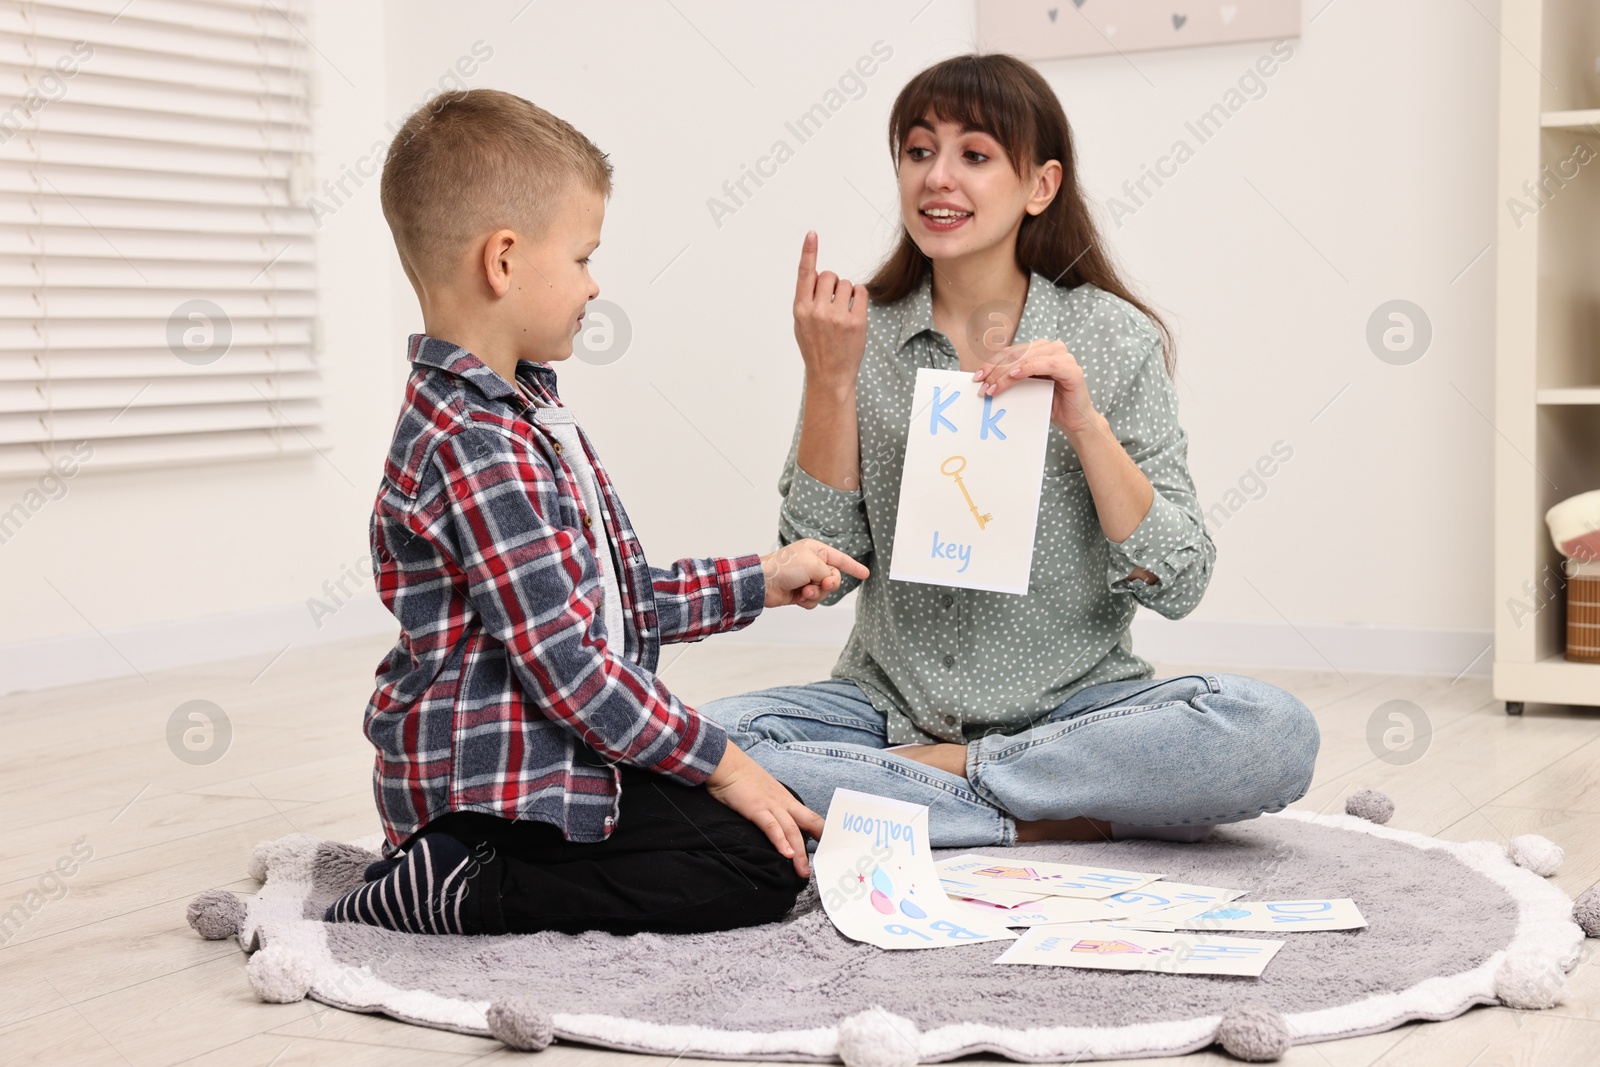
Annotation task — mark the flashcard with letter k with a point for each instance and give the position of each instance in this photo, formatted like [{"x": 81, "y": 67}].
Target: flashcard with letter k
[{"x": 969, "y": 492}]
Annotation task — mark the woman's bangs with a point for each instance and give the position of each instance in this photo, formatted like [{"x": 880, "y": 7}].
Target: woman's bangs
[{"x": 966, "y": 97}]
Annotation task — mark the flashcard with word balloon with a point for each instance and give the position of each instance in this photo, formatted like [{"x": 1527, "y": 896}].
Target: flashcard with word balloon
[
  {"x": 1050, "y": 879},
  {"x": 1272, "y": 915},
  {"x": 877, "y": 879},
  {"x": 969, "y": 491},
  {"x": 1105, "y": 948}
]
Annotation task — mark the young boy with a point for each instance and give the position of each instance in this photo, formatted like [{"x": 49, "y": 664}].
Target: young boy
[{"x": 533, "y": 772}]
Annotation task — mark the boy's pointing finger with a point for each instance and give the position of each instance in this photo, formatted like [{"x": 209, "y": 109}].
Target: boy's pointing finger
[{"x": 834, "y": 558}]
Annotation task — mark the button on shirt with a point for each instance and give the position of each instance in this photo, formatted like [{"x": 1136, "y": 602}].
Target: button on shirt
[
  {"x": 507, "y": 693},
  {"x": 954, "y": 664}
]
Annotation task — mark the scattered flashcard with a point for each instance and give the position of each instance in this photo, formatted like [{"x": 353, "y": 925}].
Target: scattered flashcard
[
  {"x": 1341, "y": 914},
  {"x": 1048, "y": 910},
  {"x": 986, "y": 891},
  {"x": 1107, "y": 948},
  {"x": 1161, "y": 904},
  {"x": 969, "y": 491},
  {"x": 1139, "y": 909},
  {"x": 878, "y": 882},
  {"x": 1050, "y": 879}
]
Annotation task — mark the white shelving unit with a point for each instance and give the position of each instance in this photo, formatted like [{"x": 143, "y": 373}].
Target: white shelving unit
[{"x": 1547, "y": 334}]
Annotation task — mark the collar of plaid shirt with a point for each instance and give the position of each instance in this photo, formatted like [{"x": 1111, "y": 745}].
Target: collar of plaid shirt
[{"x": 503, "y": 694}]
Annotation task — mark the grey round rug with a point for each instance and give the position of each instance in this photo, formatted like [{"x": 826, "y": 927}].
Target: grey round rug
[{"x": 1442, "y": 917}]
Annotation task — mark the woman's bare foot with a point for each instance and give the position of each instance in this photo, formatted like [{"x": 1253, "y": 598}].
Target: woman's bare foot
[
  {"x": 1082, "y": 828},
  {"x": 944, "y": 757},
  {"x": 953, "y": 759}
]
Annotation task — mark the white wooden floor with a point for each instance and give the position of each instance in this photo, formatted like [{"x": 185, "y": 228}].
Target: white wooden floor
[{"x": 105, "y": 971}]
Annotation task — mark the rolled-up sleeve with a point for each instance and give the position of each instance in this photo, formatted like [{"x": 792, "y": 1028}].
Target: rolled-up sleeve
[
  {"x": 1171, "y": 540},
  {"x": 836, "y": 517}
]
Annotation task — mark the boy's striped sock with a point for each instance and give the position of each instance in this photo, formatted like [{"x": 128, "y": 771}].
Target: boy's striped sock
[
  {"x": 431, "y": 890},
  {"x": 381, "y": 868}
]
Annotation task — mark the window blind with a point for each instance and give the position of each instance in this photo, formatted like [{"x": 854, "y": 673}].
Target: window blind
[{"x": 157, "y": 268}]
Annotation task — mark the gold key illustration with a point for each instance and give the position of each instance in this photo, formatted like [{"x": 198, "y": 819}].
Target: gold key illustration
[{"x": 955, "y": 472}]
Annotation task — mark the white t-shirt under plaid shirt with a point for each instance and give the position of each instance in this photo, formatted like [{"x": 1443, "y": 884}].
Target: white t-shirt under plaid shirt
[{"x": 564, "y": 428}]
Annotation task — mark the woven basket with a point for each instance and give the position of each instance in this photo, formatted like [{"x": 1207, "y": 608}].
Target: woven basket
[{"x": 1583, "y": 611}]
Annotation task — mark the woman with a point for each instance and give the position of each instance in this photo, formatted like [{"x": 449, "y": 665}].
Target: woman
[{"x": 1013, "y": 718}]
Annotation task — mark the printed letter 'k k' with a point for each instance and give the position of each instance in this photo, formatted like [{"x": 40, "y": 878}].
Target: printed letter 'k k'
[
  {"x": 940, "y": 402},
  {"x": 991, "y": 423}
]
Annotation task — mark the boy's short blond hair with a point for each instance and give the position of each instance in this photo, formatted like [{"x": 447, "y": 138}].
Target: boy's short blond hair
[{"x": 471, "y": 162}]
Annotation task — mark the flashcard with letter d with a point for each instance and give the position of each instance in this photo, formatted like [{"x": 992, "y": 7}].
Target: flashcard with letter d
[{"x": 1340, "y": 914}]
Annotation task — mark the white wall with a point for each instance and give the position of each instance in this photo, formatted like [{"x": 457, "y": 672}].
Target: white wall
[
  {"x": 159, "y": 567},
  {"x": 1363, "y": 174},
  {"x": 1375, "y": 141}
]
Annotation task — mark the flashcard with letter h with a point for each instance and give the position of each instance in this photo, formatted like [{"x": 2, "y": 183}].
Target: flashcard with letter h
[{"x": 969, "y": 492}]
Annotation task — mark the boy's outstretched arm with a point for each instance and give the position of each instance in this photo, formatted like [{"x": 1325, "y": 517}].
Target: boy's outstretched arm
[{"x": 696, "y": 598}]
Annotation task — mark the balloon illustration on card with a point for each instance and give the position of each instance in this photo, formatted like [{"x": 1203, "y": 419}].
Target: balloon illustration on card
[
  {"x": 883, "y": 891},
  {"x": 978, "y": 532}
]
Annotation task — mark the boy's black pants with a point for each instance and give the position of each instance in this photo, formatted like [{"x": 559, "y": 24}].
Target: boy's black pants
[{"x": 679, "y": 861}]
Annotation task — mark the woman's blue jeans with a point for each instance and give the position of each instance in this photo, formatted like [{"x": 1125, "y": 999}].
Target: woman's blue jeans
[{"x": 1195, "y": 748}]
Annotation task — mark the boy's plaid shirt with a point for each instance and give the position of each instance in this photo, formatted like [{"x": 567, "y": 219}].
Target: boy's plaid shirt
[{"x": 503, "y": 694}]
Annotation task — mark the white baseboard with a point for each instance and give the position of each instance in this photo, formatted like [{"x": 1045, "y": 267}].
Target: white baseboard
[
  {"x": 1343, "y": 647},
  {"x": 1348, "y": 648},
  {"x": 75, "y": 658}
]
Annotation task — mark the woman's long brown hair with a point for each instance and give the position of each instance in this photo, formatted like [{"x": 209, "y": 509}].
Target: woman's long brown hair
[{"x": 1009, "y": 100}]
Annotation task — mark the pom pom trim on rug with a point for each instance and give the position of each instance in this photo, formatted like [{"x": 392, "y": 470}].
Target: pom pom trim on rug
[
  {"x": 278, "y": 856},
  {"x": 1528, "y": 981},
  {"x": 1254, "y": 1033},
  {"x": 1586, "y": 911},
  {"x": 1547, "y": 941},
  {"x": 1371, "y": 805},
  {"x": 216, "y": 914},
  {"x": 1540, "y": 855},
  {"x": 518, "y": 1023},
  {"x": 876, "y": 1038},
  {"x": 279, "y": 975}
]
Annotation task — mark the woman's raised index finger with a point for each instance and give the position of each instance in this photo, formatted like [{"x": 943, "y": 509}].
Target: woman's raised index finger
[{"x": 806, "y": 284}]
